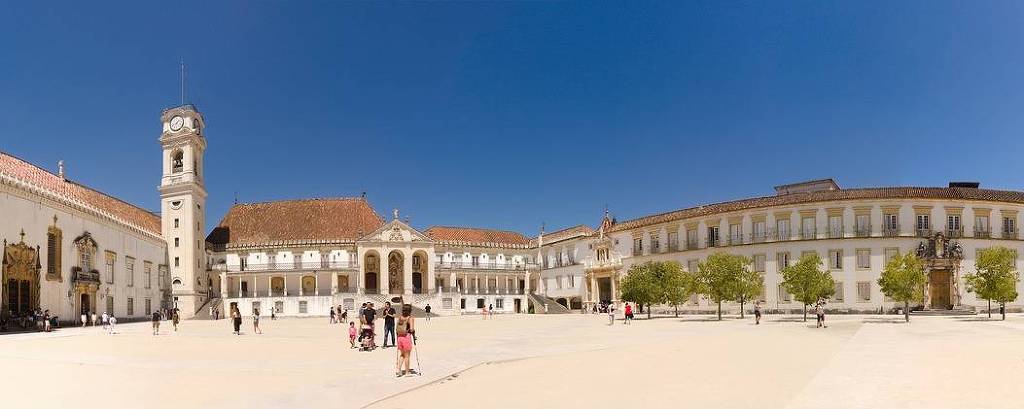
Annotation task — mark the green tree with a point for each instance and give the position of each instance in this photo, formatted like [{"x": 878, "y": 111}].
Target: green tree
[
  {"x": 676, "y": 284},
  {"x": 718, "y": 277},
  {"x": 749, "y": 287},
  {"x": 640, "y": 286},
  {"x": 807, "y": 281},
  {"x": 903, "y": 280},
  {"x": 656, "y": 282},
  {"x": 995, "y": 278}
]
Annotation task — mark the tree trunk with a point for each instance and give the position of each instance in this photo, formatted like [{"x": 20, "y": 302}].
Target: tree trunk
[
  {"x": 805, "y": 312},
  {"x": 648, "y": 312},
  {"x": 1002, "y": 309},
  {"x": 990, "y": 308},
  {"x": 741, "y": 307},
  {"x": 906, "y": 311},
  {"x": 719, "y": 310},
  {"x": 676, "y": 306}
]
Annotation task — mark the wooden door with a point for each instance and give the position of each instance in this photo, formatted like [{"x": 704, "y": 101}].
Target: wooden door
[{"x": 939, "y": 289}]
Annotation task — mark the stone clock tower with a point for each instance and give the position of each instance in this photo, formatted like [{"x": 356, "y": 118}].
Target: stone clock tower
[{"x": 183, "y": 206}]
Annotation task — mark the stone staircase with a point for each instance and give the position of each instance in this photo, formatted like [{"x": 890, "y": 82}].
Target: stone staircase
[
  {"x": 554, "y": 307},
  {"x": 204, "y": 312}
]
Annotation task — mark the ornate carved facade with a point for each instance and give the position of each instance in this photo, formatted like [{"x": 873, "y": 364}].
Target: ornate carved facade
[{"x": 21, "y": 278}]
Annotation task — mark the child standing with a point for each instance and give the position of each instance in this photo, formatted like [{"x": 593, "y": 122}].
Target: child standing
[{"x": 352, "y": 334}]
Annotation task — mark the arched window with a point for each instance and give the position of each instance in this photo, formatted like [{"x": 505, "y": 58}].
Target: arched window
[{"x": 177, "y": 161}]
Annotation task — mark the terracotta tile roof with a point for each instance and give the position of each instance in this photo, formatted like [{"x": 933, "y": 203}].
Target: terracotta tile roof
[
  {"x": 581, "y": 230},
  {"x": 477, "y": 237},
  {"x": 879, "y": 193},
  {"x": 40, "y": 181},
  {"x": 295, "y": 221}
]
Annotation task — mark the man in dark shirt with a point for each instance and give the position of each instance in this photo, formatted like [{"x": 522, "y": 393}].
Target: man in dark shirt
[
  {"x": 156, "y": 322},
  {"x": 368, "y": 316},
  {"x": 389, "y": 324}
]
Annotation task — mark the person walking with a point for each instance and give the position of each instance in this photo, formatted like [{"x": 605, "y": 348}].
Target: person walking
[
  {"x": 236, "y": 319},
  {"x": 85, "y": 318},
  {"x": 256, "y": 321},
  {"x": 389, "y": 324},
  {"x": 352, "y": 334},
  {"x": 427, "y": 310},
  {"x": 611, "y": 315},
  {"x": 105, "y": 318},
  {"x": 156, "y": 322},
  {"x": 92, "y": 319},
  {"x": 820, "y": 311},
  {"x": 344, "y": 316},
  {"x": 757, "y": 313},
  {"x": 273, "y": 314},
  {"x": 333, "y": 320},
  {"x": 490, "y": 311},
  {"x": 628, "y": 311},
  {"x": 406, "y": 334},
  {"x": 112, "y": 325},
  {"x": 175, "y": 317}
]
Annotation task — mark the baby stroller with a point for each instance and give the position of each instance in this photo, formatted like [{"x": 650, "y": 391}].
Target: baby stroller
[{"x": 366, "y": 338}]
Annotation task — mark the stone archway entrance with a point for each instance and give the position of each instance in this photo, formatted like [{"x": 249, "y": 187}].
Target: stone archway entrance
[
  {"x": 419, "y": 270},
  {"x": 371, "y": 268},
  {"x": 396, "y": 273}
]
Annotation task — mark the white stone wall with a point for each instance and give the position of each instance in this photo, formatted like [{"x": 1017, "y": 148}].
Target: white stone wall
[{"x": 23, "y": 210}]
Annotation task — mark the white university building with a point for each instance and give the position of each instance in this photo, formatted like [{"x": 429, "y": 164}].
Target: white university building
[{"x": 70, "y": 249}]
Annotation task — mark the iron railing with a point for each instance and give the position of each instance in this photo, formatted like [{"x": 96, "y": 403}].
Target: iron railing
[
  {"x": 491, "y": 265},
  {"x": 301, "y": 265}
]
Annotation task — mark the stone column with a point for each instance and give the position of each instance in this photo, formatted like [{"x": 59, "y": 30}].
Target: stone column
[
  {"x": 593, "y": 289},
  {"x": 431, "y": 277},
  {"x": 526, "y": 283},
  {"x": 223, "y": 285},
  {"x": 383, "y": 278},
  {"x": 453, "y": 279},
  {"x": 407, "y": 273},
  {"x": 284, "y": 280},
  {"x": 270, "y": 286}
]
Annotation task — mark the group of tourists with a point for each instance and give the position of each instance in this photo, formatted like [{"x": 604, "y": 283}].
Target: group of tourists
[
  {"x": 819, "y": 312},
  {"x": 488, "y": 312},
  {"x": 160, "y": 316}
]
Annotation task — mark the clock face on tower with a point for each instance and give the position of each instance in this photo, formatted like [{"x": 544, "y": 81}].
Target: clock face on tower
[{"x": 176, "y": 123}]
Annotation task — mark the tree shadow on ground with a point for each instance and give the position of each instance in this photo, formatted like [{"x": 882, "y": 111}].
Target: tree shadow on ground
[
  {"x": 899, "y": 320},
  {"x": 977, "y": 319}
]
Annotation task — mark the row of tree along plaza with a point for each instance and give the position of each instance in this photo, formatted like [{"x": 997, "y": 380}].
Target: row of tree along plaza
[{"x": 727, "y": 277}]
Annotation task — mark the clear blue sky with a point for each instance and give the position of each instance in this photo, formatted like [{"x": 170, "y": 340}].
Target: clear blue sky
[{"x": 506, "y": 115}]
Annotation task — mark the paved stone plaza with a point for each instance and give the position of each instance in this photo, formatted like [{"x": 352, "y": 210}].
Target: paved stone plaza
[{"x": 530, "y": 361}]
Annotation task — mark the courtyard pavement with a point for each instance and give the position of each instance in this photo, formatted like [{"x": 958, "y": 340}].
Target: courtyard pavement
[{"x": 530, "y": 361}]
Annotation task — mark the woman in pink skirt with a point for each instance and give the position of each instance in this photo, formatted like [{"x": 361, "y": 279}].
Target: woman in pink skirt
[{"x": 405, "y": 330}]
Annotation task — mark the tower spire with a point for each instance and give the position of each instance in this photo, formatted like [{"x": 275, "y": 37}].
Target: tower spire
[{"x": 182, "y": 81}]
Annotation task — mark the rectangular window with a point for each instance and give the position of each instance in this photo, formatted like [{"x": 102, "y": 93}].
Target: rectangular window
[
  {"x": 782, "y": 229},
  {"x": 890, "y": 253},
  {"x": 864, "y": 291},
  {"x": 149, "y": 306},
  {"x": 1009, "y": 227},
  {"x": 760, "y": 230},
  {"x": 673, "y": 241},
  {"x": 147, "y": 274},
  {"x": 655, "y": 243},
  {"x": 558, "y": 282},
  {"x": 863, "y": 259},
  {"x": 782, "y": 261},
  {"x": 953, "y": 223},
  {"x": 499, "y": 303},
  {"x": 890, "y": 224},
  {"x": 110, "y": 305},
  {"x": 806, "y": 253},
  {"x": 807, "y": 228},
  {"x": 863, "y": 225},
  {"x": 638, "y": 246},
  {"x": 177, "y": 242},
  {"x": 572, "y": 281},
  {"x": 924, "y": 224},
  {"x": 839, "y": 292},
  {"x": 302, "y": 307},
  {"x": 783, "y": 295},
  {"x": 735, "y": 234},
  {"x": 835, "y": 259},
  {"x": 131, "y": 306},
  {"x": 175, "y": 223},
  {"x": 759, "y": 262},
  {"x": 177, "y": 262},
  {"x": 691, "y": 239},
  {"x": 981, "y": 228},
  {"x": 835, "y": 226},
  {"x": 713, "y": 236},
  {"x": 108, "y": 266},
  {"x": 692, "y": 266},
  {"x": 129, "y": 271}
]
